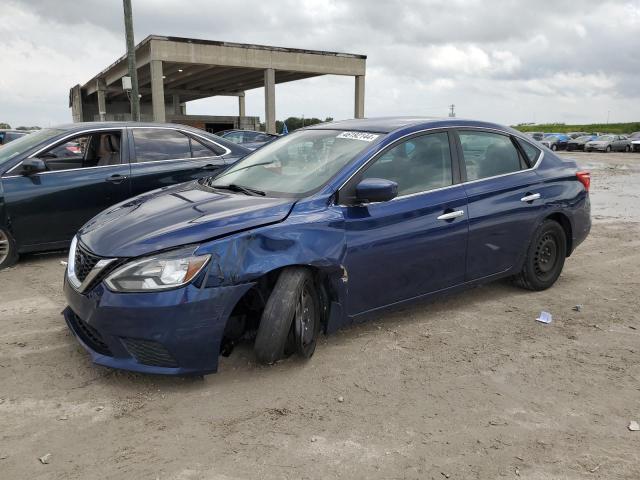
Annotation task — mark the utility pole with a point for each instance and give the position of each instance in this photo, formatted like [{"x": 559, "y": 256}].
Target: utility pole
[
  {"x": 452, "y": 110},
  {"x": 131, "y": 56}
]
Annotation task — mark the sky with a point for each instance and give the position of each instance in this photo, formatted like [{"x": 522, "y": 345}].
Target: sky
[{"x": 504, "y": 61}]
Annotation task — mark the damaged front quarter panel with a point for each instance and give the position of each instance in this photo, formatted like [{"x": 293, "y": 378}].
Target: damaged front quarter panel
[{"x": 312, "y": 235}]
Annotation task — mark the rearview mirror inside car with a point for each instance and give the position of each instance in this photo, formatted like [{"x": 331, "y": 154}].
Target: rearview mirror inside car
[
  {"x": 376, "y": 190},
  {"x": 33, "y": 165}
]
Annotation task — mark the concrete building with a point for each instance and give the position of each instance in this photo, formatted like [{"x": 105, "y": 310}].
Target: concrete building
[{"x": 173, "y": 71}]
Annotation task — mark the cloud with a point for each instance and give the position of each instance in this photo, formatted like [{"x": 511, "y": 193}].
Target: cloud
[{"x": 506, "y": 61}]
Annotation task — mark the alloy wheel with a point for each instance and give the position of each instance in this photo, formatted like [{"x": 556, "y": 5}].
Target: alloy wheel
[{"x": 4, "y": 246}]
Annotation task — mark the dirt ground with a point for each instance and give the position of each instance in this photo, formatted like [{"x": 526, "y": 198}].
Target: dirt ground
[{"x": 468, "y": 387}]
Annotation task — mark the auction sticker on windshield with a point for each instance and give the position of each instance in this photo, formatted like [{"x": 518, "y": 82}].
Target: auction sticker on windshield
[{"x": 365, "y": 137}]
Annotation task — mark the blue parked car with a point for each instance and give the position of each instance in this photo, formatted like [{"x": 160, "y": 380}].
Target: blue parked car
[
  {"x": 53, "y": 180},
  {"x": 319, "y": 229}
]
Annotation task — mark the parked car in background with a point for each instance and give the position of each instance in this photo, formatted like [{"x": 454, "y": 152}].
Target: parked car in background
[
  {"x": 573, "y": 135},
  {"x": 536, "y": 135},
  {"x": 54, "y": 180},
  {"x": 248, "y": 138},
  {"x": 608, "y": 143},
  {"x": 557, "y": 141},
  {"x": 579, "y": 142},
  {"x": 7, "y": 136},
  {"x": 320, "y": 229},
  {"x": 634, "y": 138}
]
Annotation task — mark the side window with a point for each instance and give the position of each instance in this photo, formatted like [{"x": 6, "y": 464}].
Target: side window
[
  {"x": 199, "y": 150},
  {"x": 98, "y": 149},
  {"x": 416, "y": 165},
  {"x": 154, "y": 144},
  {"x": 530, "y": 151},
  {"x": 488, "y": 154}
]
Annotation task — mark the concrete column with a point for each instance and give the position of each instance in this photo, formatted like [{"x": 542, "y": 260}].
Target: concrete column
[
  {"x": 270, "y": 100},
  {"x": 176, "y": 105},
  {"x": 157, "y": 91},
  {"x": 359, "y": 100},
  {"x": 241, "y": 105},
  {"x": 101, "y": 86}
]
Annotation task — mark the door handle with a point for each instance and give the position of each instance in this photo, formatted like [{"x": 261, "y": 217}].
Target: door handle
[
  {"x": 117, "y": 178},
  {"x": 530, "y": 197},
  {"x": 451, "y": 215}
]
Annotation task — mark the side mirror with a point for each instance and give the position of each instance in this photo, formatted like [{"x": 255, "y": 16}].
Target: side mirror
[
  {"x": 376, "y": 190},
  {"x": 33, "y": 165}
]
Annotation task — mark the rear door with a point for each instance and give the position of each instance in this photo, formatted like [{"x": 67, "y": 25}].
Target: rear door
[
  {"x": 165, "y": 156},
  {"x": 504, "y": 198},
  {"x": 416, "y": 243},
  {"x": 86, "y": 173}
]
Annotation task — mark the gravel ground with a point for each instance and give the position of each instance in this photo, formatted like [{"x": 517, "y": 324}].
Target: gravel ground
[{"x": 468, "y": 387}]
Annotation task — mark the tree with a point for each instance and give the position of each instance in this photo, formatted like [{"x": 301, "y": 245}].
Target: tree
[
  {"x": 28, "y": 128},
  {"x": 5, "y": 125}
]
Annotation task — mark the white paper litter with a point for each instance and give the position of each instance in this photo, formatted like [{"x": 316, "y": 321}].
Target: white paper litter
[{"x": 545, "y": 317}]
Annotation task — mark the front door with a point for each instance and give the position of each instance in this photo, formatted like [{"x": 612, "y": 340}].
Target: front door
[
  {"x": 504, "y": 200},
  {"x": 416, "y": 243},
  {"x": 85, "y": 174},
  {"x": 165, "y": 156}
]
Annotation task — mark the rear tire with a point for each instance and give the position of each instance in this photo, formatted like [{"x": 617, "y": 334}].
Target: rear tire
[
  {"x": 8, "y": 249},
  {"x": 608, "y": 149},
  {"x": 554, "y": 147},
  {"x": 291, "y": 317},
  {"x": 627, "y": 149},
  {"x": 545, "y": 257}
]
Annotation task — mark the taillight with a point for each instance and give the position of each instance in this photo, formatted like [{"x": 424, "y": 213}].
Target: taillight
[{"x": 584, "y": 177}]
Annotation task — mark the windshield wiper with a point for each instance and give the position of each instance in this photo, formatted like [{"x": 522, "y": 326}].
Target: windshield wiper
[{"x": 239, "y": 188}]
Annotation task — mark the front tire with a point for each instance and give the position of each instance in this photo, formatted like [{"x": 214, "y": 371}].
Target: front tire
[
  {"x": 545, "y": 257},
  {"x": 608, "y": 149},
  {"x": 8, "y": 249},
  {"x": 292, "y": 314},
  {"x": 554, "y": 147}
]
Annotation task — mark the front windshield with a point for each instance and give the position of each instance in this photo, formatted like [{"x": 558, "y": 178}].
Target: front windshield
[
  {"x": 604, "y": 138},
  {"x": 296, "y": 164},
  {"x": 22, "y": 144}
]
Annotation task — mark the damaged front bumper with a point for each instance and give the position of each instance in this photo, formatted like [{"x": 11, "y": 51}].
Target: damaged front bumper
[{"x": 174, "y": 332}]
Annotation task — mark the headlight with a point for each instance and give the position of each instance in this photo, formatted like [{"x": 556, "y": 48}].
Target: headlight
[{"x": 160, "y": 272}]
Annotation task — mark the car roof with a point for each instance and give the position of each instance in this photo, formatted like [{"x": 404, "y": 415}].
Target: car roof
[
  {"x": 71, "y": 127},
  {"x": 390, "y": 124}
]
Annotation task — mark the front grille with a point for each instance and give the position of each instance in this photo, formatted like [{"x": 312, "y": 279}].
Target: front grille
[
  {"x": 89, "y": 335},
  {"x": 149, "y": 352},
  {"x": 84, "y": 262}
]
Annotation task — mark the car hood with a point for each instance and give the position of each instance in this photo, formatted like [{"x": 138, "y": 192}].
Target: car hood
[
  {"x": 174, "y": 216},
  {"x": 598, "y": 142}
]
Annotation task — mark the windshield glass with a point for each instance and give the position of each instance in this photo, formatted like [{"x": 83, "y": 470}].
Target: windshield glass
[
  {"x": 10, "y": 150},
  {"x": 296, "y": 164},
  {"x": 605, "y": 138}
]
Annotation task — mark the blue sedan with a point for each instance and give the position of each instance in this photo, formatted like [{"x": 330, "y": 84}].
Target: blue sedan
[{"x": 322, "y": 228}]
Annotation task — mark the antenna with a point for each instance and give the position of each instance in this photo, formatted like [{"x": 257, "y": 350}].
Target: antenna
[{"x": 452, "y": 110}]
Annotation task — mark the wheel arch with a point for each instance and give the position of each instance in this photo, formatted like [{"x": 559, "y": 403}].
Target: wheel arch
[
  {"x": 565, "y": 223},
  {"x": 255, "y": 298}
]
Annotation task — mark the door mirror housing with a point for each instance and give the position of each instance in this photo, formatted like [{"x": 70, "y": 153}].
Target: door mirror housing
[
  {"x": 376, "y": 190},
  {"x": 33, "y": 165}
]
